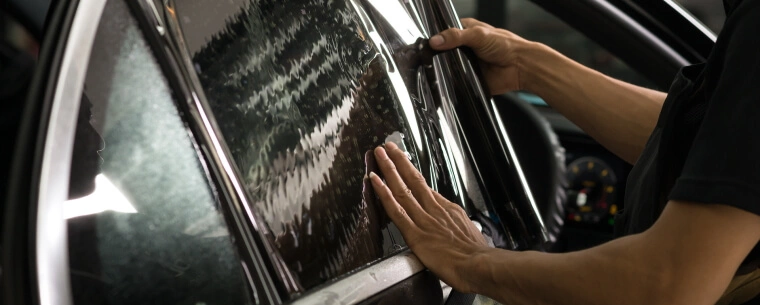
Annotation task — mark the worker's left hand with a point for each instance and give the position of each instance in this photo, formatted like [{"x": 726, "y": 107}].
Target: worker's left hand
[{"x": 437, "y": 230}]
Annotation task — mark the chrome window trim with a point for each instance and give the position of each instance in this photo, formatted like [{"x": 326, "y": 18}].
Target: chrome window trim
[
  {"x": 693, "y": 20},
  {"x": 366, "y": 282},
  {"x": 51, "y": 242}
]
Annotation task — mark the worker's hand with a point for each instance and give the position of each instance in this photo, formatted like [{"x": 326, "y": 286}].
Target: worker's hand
[
  {"x": 437, "y": 230},
  {"x": 500, "y": 52}
]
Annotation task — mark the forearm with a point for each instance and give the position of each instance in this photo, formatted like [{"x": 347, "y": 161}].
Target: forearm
[
  {"x": 688, "y": 256},
  {"x": 618, "y": 115},
  {"x": 608, "y": 274}
]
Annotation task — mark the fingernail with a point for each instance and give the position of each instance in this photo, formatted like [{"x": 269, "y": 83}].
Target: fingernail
[
  {"x": 391, "y": 145},
  {"x": 381, "y": 154},
  {"x": 375, "y": 178},
  {"x": 436, "y": 40}
]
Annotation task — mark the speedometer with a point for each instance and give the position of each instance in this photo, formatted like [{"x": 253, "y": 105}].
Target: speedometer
[{"x": 592, "y": 192}]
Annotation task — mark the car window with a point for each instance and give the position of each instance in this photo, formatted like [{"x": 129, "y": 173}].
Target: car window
[
  {"x": 709, "y": 12},
  {"x": 143, "y": 222},
  {"x": 301, "y": 96},
  {"x": 532, "y": 22}
]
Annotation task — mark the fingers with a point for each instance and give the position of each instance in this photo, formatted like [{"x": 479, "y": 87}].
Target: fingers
[
  {"x": 412, "y": 178},
  {"x": 398, "y": 189},
  {"x": 395, "y": 211},
  {"x": 473, "y": 36}
]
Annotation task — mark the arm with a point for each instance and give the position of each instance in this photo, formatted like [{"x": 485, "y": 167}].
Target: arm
[
  {"x": 688, "y": 257},
  {"x": 618, "y": 115}
]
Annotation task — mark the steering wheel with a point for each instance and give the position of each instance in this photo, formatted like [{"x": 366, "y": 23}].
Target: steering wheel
[{"x": 542, "y": 158}]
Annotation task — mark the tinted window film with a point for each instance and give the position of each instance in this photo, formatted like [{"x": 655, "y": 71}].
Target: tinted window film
[
  {"x": 302, "y": 96},
  {"x": 143, "y": 222}
]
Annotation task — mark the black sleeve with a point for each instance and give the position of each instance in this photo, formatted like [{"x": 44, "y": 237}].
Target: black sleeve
[{"x": 723, "y": 165}]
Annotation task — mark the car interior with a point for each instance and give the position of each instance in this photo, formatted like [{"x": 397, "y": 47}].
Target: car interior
[{"x": 591, "y": 179}]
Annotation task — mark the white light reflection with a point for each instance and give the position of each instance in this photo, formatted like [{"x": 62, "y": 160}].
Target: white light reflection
[
  {"x": 392, "y": 71},
  {"x": 399, "y": 19},
  {"x": 105, "y": 197},
  {"x": 453, "y": 146}
]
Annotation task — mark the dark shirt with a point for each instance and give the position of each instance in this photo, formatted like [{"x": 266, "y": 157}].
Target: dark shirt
[{"x": 705, "y": 147}]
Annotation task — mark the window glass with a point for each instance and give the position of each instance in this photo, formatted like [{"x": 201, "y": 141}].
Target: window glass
[
  {"x": 710, "y": 12},
  {"x": 531, "y": 22},
  {"x": 302, "y": 97},
  {"x": 144, "y": 227}
]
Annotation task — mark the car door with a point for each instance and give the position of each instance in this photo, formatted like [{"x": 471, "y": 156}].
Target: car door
[
  {"x": 146, "y": 173},
  {"x": 235, "y": 147},
  {"x": 113, "y": 203},
  {"x": 302, "y": 94}
]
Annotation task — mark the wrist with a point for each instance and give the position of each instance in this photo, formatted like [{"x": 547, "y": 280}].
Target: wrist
[
  {"x": 533, "y": 57},
  {"x": 544, "y": 71},
  {"x": 477, "y": 271}
]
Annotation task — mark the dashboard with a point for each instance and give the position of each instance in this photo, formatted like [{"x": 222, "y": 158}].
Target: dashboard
[{"x": 596, "y": 183}]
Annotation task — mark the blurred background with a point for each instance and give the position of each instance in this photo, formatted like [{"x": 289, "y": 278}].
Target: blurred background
[
  {"x": 532, "y": 22},
  {"x": 521, "y": 16}
]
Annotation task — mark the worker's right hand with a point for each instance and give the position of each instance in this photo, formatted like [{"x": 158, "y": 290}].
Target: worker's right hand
[
  {"x": 437, "y": 230},
  {"x": 501, "y": 52}
]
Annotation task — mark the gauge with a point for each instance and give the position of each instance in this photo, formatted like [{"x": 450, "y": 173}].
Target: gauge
[{"x": 592, "y": 192}]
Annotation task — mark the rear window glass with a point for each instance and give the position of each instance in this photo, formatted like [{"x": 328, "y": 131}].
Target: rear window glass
[{"x": 143, "y": 222}]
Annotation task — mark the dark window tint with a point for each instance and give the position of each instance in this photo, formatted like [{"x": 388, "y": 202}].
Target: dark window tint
[
  {"x": 143, "y": 222},
  {"x": 302, "y": 96}
]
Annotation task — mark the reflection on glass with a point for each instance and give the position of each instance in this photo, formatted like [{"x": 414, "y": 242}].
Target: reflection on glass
[
  {"x": 105, "y": 197},
  {"x": 454, "y": 155},
  {"x": 175, "y": 250},
  {"x": 709, "y": 12},
  {"x": 403, "y": 24},
  {"x": 302, "y": 93}
]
